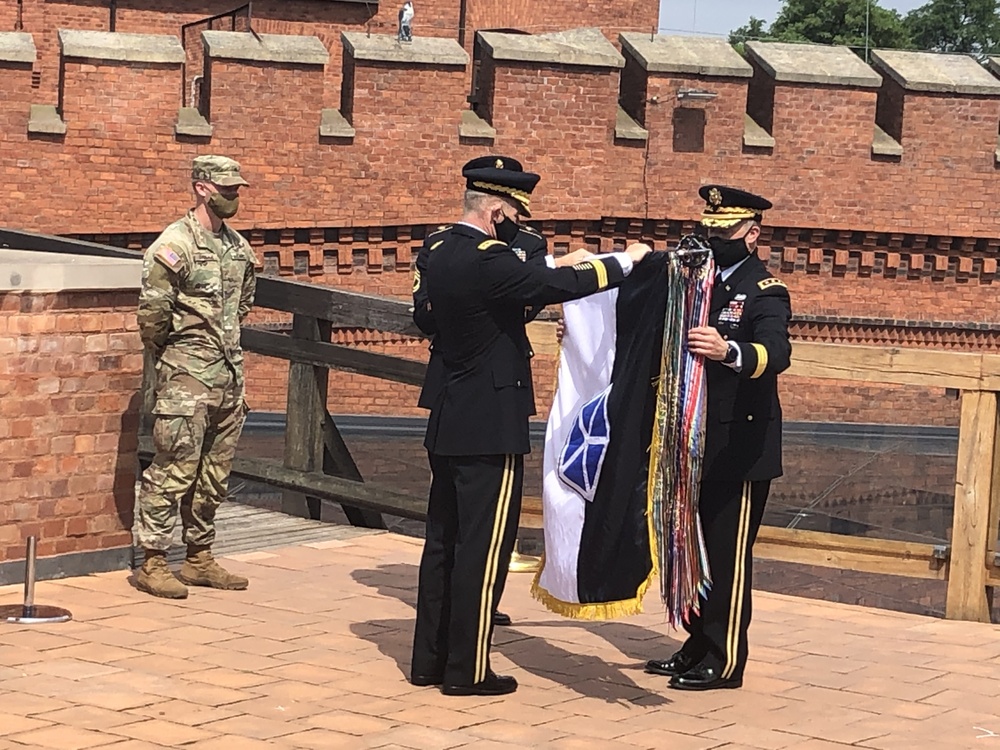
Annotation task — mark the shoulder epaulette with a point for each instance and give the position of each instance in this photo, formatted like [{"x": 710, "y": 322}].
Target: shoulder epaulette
[
  {"x": 768, "y": 283},
  {"x": 440, "y": 229},
  {"x": 437, "y": 244},
  {"x": 487, "y": 244},
  {"x": 531, "y": 230}
]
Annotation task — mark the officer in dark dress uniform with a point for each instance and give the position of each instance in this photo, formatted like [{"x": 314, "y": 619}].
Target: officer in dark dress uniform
[
  {"x": 529, "y": 246},
  {"x": 746, "y": 345},
  {"x": 477, "y": 432}
]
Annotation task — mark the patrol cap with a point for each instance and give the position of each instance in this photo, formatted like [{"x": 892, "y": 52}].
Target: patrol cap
[
  {"x": 219, "y": 170},
  {"x": 726, "y": 206},
  {"x": 503, "y": 176}
]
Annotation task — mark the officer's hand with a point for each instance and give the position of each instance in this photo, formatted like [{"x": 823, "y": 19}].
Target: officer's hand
[
  {"x": 560, "y": 330},
  {"x": 638, "y": 251},
  {"x": 571, "y": 259},
  {"x": 707, "y": 342}
]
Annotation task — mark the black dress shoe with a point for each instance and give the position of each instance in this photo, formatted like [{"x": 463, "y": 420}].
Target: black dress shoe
[
  {"x": 494, "y": 684},
  {"x": 426, "y": 680},
  {"x": 677, "y": 664},
  {"x": 703, "y": 677},
  {"x": 499, "y": 618}
]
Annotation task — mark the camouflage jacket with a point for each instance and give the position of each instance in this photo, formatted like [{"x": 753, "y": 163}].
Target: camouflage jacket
[{"x": 196, "y": 290}]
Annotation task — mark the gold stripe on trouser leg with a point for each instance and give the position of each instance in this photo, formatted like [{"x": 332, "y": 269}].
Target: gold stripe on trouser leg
[
  {"x": 739, "y": 581},
  {"x": 490, "y": 574}
]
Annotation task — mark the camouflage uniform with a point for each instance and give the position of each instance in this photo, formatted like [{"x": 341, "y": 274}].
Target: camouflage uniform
[{"x": 197, "y": 288}]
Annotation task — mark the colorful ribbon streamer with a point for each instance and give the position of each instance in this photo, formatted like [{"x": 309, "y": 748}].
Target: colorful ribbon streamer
[{"x": 679, "y": 443}]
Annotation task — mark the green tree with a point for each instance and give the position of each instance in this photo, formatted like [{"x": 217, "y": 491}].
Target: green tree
[
  {"x": 754, "y": 29},
  {"x": 841, "y": 22},
  {"x": 956, "y": 26}
]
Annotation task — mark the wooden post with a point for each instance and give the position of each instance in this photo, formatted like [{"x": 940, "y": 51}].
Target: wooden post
[
  {"x": 993, "y": 526},
  {"x": 307, "y": 386},
  {"x": 338, "y": 461},
  {"x": 967, "y": 596}
]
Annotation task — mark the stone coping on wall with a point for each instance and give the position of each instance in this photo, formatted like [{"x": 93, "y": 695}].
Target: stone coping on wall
[
  {"x": 813, "y": 63},
  {"x": 583, "y": 47},
  {"x": 32, "y": 271},
  {"x": 17, "y": 47},
  {"x": 271, "y": 48},
  {"x": 693, "y": 55},
  {"x": 936, "y": 73},
  {"x": 421, "y": 51},
  {"x": 121, "y": 47}
]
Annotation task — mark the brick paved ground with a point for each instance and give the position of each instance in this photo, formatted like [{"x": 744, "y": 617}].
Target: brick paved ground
[{"x": 314, "y": 655}]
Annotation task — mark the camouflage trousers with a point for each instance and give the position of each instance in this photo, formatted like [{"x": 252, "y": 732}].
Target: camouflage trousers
[{"x": 195, "y": 433}]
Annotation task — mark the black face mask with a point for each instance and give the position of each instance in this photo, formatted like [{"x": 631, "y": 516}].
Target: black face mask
[
  {"x": 728, "y": 252},
  {"x": 507, "y": 230}
]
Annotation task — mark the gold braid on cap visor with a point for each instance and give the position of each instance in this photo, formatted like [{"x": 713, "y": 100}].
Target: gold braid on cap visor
[
  {"x": 518, "y": 195},
  {"x": 726, "y": 216}
]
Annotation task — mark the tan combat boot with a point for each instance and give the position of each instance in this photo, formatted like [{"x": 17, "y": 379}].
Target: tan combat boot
[
  {"x": 201, "y": 569},
  {"x": 154, "y": 577}
]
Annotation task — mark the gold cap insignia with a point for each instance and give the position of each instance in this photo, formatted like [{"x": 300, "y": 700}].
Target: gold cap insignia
[
  {"x": 715, "y": 197},
  {"x": 499, "y": 164}
]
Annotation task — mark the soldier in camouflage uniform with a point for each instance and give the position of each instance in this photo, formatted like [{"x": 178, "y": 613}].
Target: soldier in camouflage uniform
[{"x": 197, "y": 287}]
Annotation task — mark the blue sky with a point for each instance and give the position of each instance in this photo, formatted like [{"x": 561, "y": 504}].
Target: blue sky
[{"x": 721, "y": 16}]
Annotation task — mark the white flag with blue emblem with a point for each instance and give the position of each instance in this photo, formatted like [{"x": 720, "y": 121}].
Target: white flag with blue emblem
[{"x": 574, "y": 450}]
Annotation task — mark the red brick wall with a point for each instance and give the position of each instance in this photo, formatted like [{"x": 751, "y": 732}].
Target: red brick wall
[
  {"x": 324, "y": 20},
  {"x": 119, "y": 144},
  {"x": 70, "y": 370},
  {"x": 539, "y": 18},
  {"x": 560, "y": 121},
  {"x": 17, "y": 101}
]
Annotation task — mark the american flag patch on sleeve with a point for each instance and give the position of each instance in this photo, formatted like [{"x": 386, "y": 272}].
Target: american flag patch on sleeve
[{"x": 168, "y": 257}]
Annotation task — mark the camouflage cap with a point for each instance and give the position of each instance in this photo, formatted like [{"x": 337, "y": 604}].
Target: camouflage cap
[{"x": 219, "y": 170}]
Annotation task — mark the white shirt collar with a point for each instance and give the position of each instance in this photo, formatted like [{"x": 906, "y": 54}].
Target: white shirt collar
[{"x": 725, "y": 273}]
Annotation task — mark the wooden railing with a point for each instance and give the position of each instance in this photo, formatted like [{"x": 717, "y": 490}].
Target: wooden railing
[
  {"x": 318, "y": 466},
  {"x": 970, "y": 563}
]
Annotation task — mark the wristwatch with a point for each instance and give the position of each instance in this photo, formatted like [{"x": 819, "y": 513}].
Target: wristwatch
[{"x": 731, "y": 354}]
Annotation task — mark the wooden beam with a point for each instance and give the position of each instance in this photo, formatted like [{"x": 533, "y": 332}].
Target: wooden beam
[
  {"x": 371, "y": 496},
  {"x": 874, "y": 364},
  {"x": 333, "y": 356},
  {"x": 333, "y": 489},
  {"x": 338, "y": 461},
  {"x": 993, "y": 525},
  {"x": 908, "y": 559},
  {"x": 967, "y": 596},
  {"x": 306, "y": 404},
  {"x": 343, "y": 309}
]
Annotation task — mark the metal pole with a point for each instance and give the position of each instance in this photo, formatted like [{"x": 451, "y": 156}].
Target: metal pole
[
  {"x": 29, "y": 613},
  {"x": 868, "y": 13},
  {"x": 29, "y": 578}
]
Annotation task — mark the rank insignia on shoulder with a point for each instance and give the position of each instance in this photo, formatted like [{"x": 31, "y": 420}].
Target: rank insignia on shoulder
[
  {"x": 416, "y": 281},
  {"x": 487, "y": 244},
  {"x": 768, "y": 283},
  {"x": 437, "y": 244},
  {"x": 441, "y": 228},
  {"x": 168, "y": 257}
]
